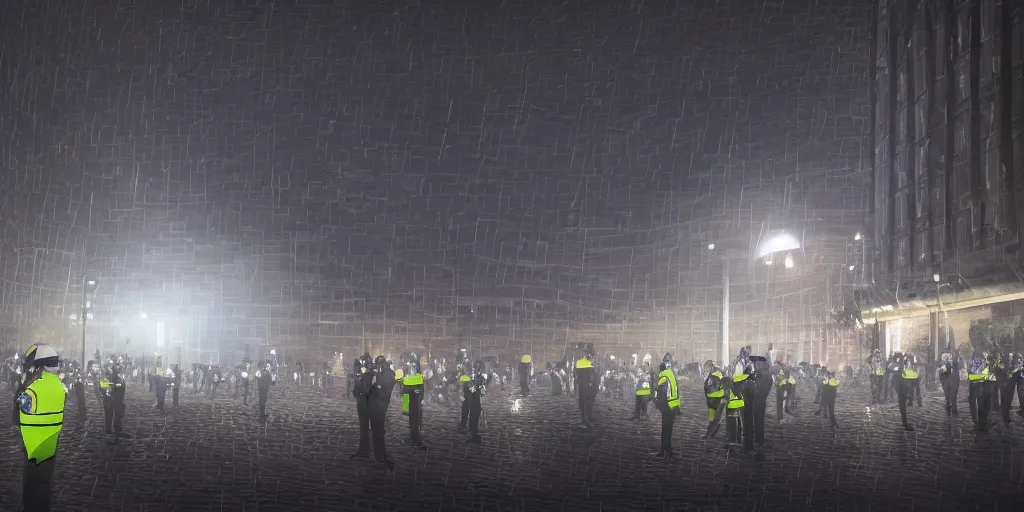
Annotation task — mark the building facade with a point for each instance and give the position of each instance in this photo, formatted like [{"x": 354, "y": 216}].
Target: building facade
[{"x": 945, "y": 192}]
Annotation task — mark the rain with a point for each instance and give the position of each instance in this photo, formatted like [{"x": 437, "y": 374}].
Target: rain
[{"x": 558, "y": 229}]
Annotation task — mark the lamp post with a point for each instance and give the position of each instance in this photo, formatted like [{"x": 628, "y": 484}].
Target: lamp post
[
  {"x": 777, "y": 243},
  {"x": 89, "y": 285}
]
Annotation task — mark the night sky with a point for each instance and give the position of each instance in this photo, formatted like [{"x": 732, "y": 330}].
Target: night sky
[{"x": 515, "y": 176}]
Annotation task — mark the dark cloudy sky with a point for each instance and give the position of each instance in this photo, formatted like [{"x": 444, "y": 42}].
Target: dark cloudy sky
[{"x": 254, "y": 169}]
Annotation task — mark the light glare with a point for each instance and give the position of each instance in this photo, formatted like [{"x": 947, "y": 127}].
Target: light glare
[{"x": 778, "y": 243}]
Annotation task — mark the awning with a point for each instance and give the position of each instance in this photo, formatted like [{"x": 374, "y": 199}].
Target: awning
[{"x": 945, "y": 301}]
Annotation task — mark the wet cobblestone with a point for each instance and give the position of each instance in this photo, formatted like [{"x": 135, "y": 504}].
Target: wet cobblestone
[{"x": 215, "y": 455}]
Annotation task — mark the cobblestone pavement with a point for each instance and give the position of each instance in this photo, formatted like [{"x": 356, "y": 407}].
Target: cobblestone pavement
[{"x": 215, "y": 455}]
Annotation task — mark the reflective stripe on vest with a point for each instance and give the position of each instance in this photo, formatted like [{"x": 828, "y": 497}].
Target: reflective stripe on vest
[
  {"x": 735, "y": 401},
  {"x": 673, "y": 392},
  {"x": 644, "y": 389},
  {"x": 40, "y": 428},
  {"x": 738, "y": 375},
  {"x": 584, "y": 363},
  {"x": 909, "y": 374},
  {"x": 399, "y": 375},
  {"x": 831, "y": 382},
  {"x": 719, "y": 393},
  {"x": 464, "y": 378},
  {"x": 413, "y": 380},
  {"x": 791, "y": 380},
  {"x": 978, "y": 376},
  {"x": 526, "y": 359}
]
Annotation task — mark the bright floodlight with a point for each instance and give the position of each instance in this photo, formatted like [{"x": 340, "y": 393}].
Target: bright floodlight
[
  {"x": 611, "y": 357},
  {"x": 145, "y": 316},
  {"x": 936, "y": 277},
  {"x": 789, "y": 261},
  {"x": 857, "y": 236},
  {"x": 91, "y": 282},
  {"x": 711, "y": 247},
  {"x": 851, "y": 268},
  {"x": 778, "y": 243}
]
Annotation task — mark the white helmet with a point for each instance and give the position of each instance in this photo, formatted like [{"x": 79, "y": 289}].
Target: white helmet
[{"x": 42, "y": 356}]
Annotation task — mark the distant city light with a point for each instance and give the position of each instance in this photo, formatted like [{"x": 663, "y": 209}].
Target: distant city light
[
  {"x": 768, "y": 262},
  {"x": 711, "y": 247},
  {"x": 857, "y": 236}
]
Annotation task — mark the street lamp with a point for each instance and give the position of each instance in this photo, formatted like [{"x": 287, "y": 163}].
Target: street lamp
[{"x": 779, "y": 242}]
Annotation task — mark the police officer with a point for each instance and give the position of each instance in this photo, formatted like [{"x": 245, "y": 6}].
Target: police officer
[
  {"x": 876, "y": 369},
  {"x": 361, "y": 386},
  {"x": 829, "y": 391},
  {"x": 667, "y": 402},
  {"x": 949, "y": 379},
  {"x": 755, "y": 390},
  {"x": 643, "y": 395},
  {"x": 175, "y": 383},
  {"x": 734, "y": 383},
  {"x": 525, "y": 372},
  {"x": 714, "y": 392},
  {"x": 113, "y": 386},
  {"x": 380, "y": 398},
  {"x": 465, "y": 372},
  {"x": 243, "y": 382},
  {"x": 784, "y": 386},
  {"x": 264, "y": 379},
  {"x": 905, "y": 379},
  {"x": 412, "y": 398},
  {"x": 978, "y": 390},
  {"x": 160, "y": 385},
  {"x": 39, "y": 404},
  {"x": 585, "y": 376},
  {"x": 1014, "y": 382},
  {"x": 477, "y": 387},
  {"x": 215, "y": 377}
]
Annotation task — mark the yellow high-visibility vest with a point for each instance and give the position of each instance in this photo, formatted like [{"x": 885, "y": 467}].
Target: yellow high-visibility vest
[
  {"x": 526, "y": 359},
  {"x": 645, "y": 389},
  {"x": 979, "y": 376},
  {"x": 669, "y": 377},
  {"x": 41, "y": 417}
]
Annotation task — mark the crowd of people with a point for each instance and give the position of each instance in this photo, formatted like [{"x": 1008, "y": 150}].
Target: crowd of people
[{"x": 736, "y": 392}]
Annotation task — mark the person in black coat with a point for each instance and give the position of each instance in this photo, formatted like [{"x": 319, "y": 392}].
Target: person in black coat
[
  {"x": 264, "y": 379},
  {"x": 380, "y": 399},
  {"x": 362, "y": 383}
]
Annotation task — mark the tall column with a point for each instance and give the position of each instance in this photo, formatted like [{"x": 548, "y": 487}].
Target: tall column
[{"x": 933, "y": 333}]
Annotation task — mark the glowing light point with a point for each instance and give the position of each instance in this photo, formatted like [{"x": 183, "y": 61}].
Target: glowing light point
[
  {"x": 711, "y": 247},
  {"x": 857, "y": 236},
  {"x": 936, "y": 277},
  {"x": 788, "y": 261}
]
